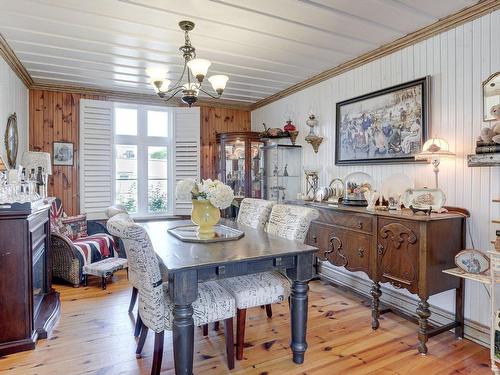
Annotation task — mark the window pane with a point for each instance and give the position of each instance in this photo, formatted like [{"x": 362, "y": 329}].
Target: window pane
[
  {"x": 157, "y": 174},
  {"x": 126, "y": 176},
  {"x": 157, "y": 195},
  {"x": 125, "y": 121},
  {"x": 157, "y": 124}
]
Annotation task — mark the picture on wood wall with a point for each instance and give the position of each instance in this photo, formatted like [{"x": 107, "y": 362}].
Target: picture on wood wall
[
  {"x": 63, "y": 153},
  {"x": 386, "y": 126}
]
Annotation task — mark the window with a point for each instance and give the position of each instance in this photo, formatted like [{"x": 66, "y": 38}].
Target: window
[{"x": 143, "y": 163}]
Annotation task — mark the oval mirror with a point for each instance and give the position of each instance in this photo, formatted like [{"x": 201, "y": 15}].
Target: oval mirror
[
  {"x": 11, "y": 140},
  {"x": 491, "y": 95}
]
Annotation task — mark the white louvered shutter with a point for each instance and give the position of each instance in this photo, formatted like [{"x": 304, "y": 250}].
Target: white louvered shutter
[
  {"x": 187, "y": 150},
  {"x": 96, "y": 157}
]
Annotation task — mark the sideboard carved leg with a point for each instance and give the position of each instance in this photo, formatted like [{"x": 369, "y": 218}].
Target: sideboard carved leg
[
  {"x": 423, "y": 313},
  {"x": 376, "y": 293}
]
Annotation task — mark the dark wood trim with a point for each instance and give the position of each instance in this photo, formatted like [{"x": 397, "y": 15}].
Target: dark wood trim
[{"x": 444, "y": 24}]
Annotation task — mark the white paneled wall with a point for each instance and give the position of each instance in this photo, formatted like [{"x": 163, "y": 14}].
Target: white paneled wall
[
  {"x": 458, "y": 61},
  {"x": 13, "y": 98}
]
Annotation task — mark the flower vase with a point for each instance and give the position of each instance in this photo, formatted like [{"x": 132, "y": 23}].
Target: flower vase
[{"x": 205, "y": 216}]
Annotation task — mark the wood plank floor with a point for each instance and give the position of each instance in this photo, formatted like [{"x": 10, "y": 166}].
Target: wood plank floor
[{"x": 94, "y": 336}]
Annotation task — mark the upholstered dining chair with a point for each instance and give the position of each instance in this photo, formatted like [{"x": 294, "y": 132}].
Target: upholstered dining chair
[
  {"x": 213, "y": 304},
  {"x": 291, "y": 222},
  {"x": 114, "y": 213},
  {"x": 254, "y": 212}
]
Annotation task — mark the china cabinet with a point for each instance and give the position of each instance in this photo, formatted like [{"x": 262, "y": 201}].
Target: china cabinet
[
  {"x": 239, "y": 163},
  {"x": 282, "y": 166}
]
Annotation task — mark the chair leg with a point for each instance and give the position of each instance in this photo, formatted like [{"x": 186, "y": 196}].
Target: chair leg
[
  {"x": 85, "y": 280},
  {"x": 229, "y": 336},
  {"x": 158, "y": 354},
  {"x": 103, "y": 282},
  {"x": 133, "y": 298},
  {"x": 216, "y": 326},
  {"x": 138, "y": 326},
  {"x": 204, "y": 327},
  {"x": 269, "y": 311},
  {"x": 142, "y": 340},
  {"x": 240, "y": 332}
]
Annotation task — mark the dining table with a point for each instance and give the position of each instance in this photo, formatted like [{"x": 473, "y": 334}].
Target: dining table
[{"x": 190, "y": 263}]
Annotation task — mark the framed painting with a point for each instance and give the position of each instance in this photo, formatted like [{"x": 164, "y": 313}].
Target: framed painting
[
  {"x": 63, "y": 153},
  {"x": 385, "y": 126}
]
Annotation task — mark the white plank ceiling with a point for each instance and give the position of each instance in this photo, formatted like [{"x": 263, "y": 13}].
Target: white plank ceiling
[{"x": 264, "y": 46}]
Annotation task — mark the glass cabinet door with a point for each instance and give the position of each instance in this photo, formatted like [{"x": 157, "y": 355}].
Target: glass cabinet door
[
  {"x": 234, "y": 167},
  {"x": 256, "y": 170}
]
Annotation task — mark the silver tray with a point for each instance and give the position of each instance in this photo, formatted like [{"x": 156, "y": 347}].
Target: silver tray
[{"x": 189, "y": 233}]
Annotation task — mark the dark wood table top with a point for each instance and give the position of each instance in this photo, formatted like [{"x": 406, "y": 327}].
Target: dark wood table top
[{"x": 256, "y": 244}]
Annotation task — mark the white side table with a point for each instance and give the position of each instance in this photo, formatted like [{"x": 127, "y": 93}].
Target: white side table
[{"x": 488, "y": 280}]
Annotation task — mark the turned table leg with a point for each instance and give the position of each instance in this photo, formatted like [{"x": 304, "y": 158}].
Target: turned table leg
[
  {"x": 376, "y": 293},
  {"x": 423, "y": 313},
  {"x": 299, "y": 320}
]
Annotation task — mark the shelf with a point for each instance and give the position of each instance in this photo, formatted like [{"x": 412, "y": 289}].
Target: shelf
[
  {"x": 483, "y": 160},
  {"x": 484, "y": 279},
  {"x": 280, "y": 176}
]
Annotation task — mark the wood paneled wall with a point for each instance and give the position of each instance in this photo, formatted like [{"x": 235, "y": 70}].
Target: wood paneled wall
[
  {"x": 218, "y": 120},
  {"x": 55, "y": 117}
]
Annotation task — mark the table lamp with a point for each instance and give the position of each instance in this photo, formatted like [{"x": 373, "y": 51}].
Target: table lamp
[
  {"x": 36, "y": 160},
  {"x": 432, "y": 151}
]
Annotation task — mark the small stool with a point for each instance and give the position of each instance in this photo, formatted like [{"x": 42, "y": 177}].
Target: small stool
[{"x": 104, "y": 269}]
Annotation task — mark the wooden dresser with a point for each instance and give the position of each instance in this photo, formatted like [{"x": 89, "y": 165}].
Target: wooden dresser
[
  {"x": 406, "y": 250},
  {"x": 29, "y": 306}
]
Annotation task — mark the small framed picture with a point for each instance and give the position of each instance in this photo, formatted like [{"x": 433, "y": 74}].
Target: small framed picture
[{"x": 63, "y": 153}]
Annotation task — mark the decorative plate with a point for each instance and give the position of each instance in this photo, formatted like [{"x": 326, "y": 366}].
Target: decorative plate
[
  {"x": 395, "y": 184},
  {"x": 472, "y": 261},
  {"x": 423, "y": 199}
]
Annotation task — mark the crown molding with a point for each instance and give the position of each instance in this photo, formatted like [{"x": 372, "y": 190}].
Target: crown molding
[
  {"x": 10, "y": 58},
  {"x": 122, "y": 96},
  {"x": 465, "y": 15}
]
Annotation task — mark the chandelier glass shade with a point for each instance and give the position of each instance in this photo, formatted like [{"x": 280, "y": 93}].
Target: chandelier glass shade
[{"x": 191, "y": 80}]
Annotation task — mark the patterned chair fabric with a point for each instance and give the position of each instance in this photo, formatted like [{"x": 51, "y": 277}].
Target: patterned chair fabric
[
  {"x": 291, "y": 222},
  {"x": 106, "y": 267},
  {"x": 114, "y": 229},
  {"x": 254, "y": 212},
  {"x": 114, "y": 210},
  {"x": 257, "y": 290},
  {"x": 70, "y": 256},
  {"x": 213, "y": 304}
]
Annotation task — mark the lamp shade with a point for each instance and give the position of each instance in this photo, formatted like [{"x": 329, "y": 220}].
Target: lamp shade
[
  {"x": 434, "y": 147},
  {"x": 33, "y": 160},
  {"x": 218, "y": 82},
  {"x": 157, "y": 78},
  {"x": 199, "y": 67}
]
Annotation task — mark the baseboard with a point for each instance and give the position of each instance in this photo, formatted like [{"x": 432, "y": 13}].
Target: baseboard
[{"x": 473, "y": 331}]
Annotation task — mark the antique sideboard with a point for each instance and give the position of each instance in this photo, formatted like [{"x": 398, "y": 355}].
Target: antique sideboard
[
  {"x": 407, "y": 250},
  {"x": 29, "y": 306}
]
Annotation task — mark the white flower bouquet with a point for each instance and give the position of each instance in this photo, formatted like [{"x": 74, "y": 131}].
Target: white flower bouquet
[{"x": 214, "y": 191}]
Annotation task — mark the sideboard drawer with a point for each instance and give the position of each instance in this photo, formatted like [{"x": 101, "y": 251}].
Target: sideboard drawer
[{"x": 346, "y": 219}]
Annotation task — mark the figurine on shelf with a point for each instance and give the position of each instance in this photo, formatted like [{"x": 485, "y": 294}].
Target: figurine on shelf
[
  {"x": 275, "y": 170},
  {"x": 285, "y": 171}
]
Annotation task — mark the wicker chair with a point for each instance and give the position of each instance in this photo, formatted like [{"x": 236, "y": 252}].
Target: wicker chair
[{"x": 68, "y": 257}]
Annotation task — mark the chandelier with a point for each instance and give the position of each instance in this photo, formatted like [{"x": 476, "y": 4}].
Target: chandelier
[{"x": 195, "y": 71}]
